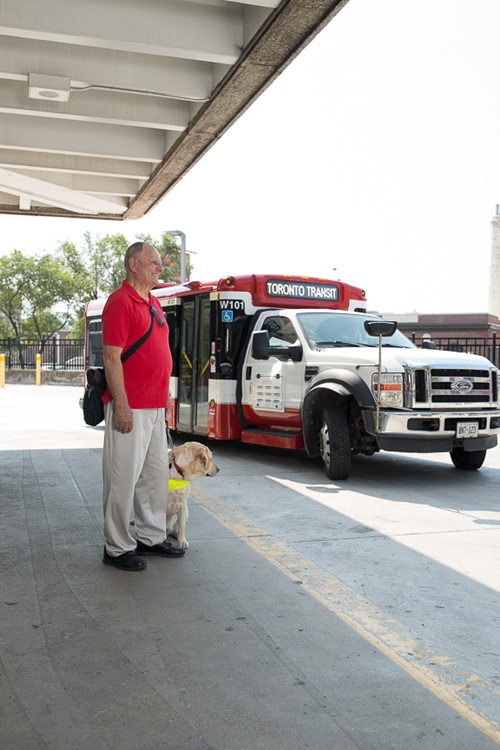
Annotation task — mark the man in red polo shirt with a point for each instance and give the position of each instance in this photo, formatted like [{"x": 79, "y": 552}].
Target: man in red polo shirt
[{"x": 135, "y": 463}]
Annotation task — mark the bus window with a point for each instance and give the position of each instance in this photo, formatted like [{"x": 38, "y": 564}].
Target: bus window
[
  {"x": 281, "y": 331},
  {"x": 95, "y": 351},
  {"x": 194, "y": 365},
  {"x": 186, "y": 364},
  {"x": 232, "y": 338},
  {"x": 203, "y": 366},
  {"x": 171, "y": 316}
]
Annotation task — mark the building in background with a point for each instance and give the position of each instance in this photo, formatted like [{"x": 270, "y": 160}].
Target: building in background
[
  {"x": 461, "y": 325},
  {"x": 494, "y": 287},
  {"x": 447, "y": 325}
]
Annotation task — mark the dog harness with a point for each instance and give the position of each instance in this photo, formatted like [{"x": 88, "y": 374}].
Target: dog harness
[{"x": 177, "y": 484}]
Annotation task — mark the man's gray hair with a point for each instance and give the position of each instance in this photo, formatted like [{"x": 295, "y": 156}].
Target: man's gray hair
[{"x": 132, "y": 251}]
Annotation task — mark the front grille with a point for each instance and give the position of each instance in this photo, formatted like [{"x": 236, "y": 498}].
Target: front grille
[{"x": 451, "y": 387}]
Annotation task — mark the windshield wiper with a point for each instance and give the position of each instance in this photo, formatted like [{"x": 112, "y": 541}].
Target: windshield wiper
[{"x": 336, "y": 343}]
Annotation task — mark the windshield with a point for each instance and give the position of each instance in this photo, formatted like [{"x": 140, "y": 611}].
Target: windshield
[{"x": 324, "y": 329}]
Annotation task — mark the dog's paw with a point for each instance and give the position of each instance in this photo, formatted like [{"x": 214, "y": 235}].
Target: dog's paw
[{"x": 183, "y": 542}]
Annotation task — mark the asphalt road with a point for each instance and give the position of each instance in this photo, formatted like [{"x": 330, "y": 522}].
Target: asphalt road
[{"x": 306, "y": 613}]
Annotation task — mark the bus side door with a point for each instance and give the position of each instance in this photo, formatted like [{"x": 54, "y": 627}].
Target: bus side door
[
  {"x": 272, "y": 389},
  {"x": 194, "y": 365}
]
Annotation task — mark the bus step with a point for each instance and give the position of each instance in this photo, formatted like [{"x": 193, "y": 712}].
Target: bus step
[{"x": 273, "y": 438}]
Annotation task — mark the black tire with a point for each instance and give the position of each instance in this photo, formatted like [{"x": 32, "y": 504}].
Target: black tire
[
  {"x": 335, "y": 444},
  {"x": 467, "y": 461}
]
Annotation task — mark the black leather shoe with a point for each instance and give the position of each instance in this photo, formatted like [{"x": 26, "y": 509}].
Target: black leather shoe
[
  {"x": 127, "y": 561},
  {"x": 164, "y": 548}
]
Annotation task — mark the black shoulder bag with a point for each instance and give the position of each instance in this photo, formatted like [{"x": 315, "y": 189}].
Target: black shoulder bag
[{"x": 93, "y": 408}]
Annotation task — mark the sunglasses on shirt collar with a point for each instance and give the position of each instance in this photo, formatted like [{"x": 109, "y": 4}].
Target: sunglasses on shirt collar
[{"x": 159, "y": 317}]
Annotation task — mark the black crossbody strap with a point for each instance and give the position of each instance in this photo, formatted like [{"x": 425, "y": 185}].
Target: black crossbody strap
[{"x": 134, "y": 347}]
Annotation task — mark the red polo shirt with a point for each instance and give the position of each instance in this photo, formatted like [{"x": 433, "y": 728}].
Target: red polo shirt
[{"x": 125, "y": 318}]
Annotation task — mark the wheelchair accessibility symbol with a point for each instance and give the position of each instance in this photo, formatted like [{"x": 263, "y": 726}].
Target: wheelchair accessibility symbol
[{"x": 227, "y": 316}]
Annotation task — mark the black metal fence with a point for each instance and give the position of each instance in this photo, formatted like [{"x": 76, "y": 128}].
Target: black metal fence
[
  {"x": 486, "y": 347},
  {"x": 56, "y": 354},
  {"x": 66, "y": 354}
]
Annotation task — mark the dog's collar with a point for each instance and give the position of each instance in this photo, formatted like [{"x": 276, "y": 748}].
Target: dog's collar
[
  {"x": 177, "y": 468},
  {"x": 177, "y": 484}
]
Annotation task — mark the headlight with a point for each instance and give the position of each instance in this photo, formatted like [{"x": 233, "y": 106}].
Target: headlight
[{"x": 391, "y": 389}]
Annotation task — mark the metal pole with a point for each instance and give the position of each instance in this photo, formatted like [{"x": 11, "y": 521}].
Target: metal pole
[
  {"x": 183, "y": 257},
  {"x": 183, "y": 252},
  {"x": 377, "y": 412}
]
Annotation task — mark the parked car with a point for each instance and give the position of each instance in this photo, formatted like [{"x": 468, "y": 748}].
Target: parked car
[{"x": 76, "y": 363}]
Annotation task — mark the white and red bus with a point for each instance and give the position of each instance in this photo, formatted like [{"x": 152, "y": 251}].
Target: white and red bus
[{"x": 210, "y": 326}]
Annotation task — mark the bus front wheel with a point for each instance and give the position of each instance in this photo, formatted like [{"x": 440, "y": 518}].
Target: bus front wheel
[
  {"x": 335, "y": 444},
  {"x": 467, "y": 461}
]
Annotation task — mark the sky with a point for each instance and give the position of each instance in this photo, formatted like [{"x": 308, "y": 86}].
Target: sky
[{"x": 374, "y": 159}]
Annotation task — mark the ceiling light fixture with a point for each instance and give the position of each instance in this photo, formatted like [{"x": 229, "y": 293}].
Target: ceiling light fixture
[{"x": 53, "y": 88}]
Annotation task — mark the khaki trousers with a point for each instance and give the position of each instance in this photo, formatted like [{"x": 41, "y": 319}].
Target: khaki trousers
[{"x": 135, "y": 477}]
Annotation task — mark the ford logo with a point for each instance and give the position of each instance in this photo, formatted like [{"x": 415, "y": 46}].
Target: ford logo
[{"x": 463, "y": 386}]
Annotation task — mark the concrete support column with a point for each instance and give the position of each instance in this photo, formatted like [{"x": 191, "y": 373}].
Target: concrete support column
[{"x": 494, "y": 289}]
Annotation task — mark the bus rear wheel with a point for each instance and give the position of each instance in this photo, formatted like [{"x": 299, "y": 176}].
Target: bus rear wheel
[
  {"x": 335, "y": 444},
  {"x": 467, "y": 461}
]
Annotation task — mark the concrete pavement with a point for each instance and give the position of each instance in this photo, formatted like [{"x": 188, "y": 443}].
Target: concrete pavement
[{"x": 250, "y": 642}]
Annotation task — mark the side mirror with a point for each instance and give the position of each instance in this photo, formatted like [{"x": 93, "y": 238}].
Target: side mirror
[
  {"x": 260, "y": 345},
  {"x": 262, "y": 350},
  {"x": 295, "y": 352},
  {"x": 380, "y": 327},
  {"x": 428, "y": 344}
]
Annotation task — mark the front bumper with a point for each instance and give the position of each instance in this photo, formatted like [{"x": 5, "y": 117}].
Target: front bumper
[{"x": 431, "y": 432}]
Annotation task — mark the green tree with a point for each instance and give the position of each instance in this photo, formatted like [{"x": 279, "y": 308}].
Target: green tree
[
  {"x": 13, "y": 280},
  {"x": 171, "y": 255},
  {"x": 37, "y": 296},
  {"x": 78, "y": 329},
  {"x": 49, "y": 298},
  {"x": 98, "y": 268}
]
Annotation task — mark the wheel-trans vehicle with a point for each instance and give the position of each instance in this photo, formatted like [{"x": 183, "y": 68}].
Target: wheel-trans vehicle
[{"x": 296, "y": 362}]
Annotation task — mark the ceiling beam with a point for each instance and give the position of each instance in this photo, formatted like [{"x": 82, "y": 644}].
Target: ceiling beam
[
  {"x": 82, "y": 139},
  {"x": 54, "y": 195},
  {"x": 105, "y": 107},
  {"x": 259, "y": 3},
  {"x": 187, "y": 80},
  {"x": 177, "y": 29},
  {"x": 125, "y": 188},
  {"x": 48, "y": 162}
]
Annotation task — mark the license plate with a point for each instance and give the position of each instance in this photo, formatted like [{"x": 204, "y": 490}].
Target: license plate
[{"x": 467, "y": 429}]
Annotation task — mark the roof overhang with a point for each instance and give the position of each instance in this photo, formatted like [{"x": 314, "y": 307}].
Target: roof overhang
[{"x": 105, "y": 105}]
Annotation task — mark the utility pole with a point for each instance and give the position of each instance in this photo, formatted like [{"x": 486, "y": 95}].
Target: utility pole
[{"x": 178, "y": 233}]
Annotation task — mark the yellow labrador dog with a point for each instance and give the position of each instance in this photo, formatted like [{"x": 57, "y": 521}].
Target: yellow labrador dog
[{"x": 189, "y": 462}]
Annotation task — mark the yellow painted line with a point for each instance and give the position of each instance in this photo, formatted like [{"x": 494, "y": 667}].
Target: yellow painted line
[{"x": 437, "y": 673}]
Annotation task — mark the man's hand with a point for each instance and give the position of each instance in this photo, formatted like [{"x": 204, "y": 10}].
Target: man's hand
[{"x": 124, "y": 418}]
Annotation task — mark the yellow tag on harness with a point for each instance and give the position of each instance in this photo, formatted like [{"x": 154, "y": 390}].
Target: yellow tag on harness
[{"x": 177, "y": 484}]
